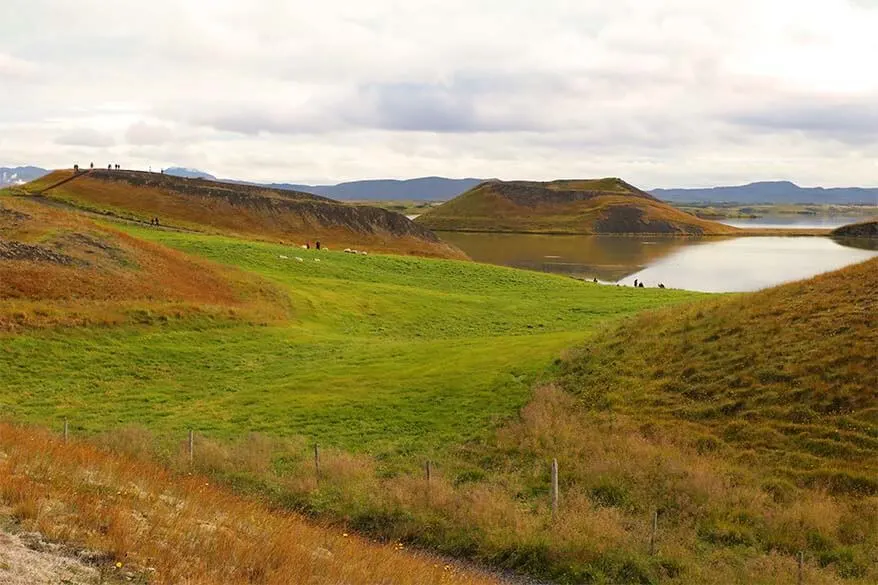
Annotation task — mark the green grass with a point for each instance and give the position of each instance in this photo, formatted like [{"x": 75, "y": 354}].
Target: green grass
[{"x": 382, "y": 354}]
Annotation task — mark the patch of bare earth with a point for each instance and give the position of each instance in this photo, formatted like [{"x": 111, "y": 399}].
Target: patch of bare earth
[{"x": 26, "y": 559}]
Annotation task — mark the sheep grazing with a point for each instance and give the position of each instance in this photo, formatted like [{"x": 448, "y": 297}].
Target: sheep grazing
[
  {"x": 348, "y": 251},
  {"x": 299, "y": 259},
  {"x": 282, "y": 257}
]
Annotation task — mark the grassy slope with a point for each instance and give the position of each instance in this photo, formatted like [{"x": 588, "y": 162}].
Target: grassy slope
[
  {"x": 383, "y": 353},
  {"x": 788, "y": 376},
  {"x": 69, "y": 270},
  {"x": 865, "y": 229},
  {"x": 495, "y": 206},
  {"x": 165, "y": 529},
  {"x": 238, "y": 210}
]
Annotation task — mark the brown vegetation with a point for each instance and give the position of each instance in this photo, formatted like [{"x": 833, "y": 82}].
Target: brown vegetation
[
  {"x": 247, "y": 211},
  {"x": 866, "y": 229},
  {"x": 182, "y": 529},
  {"x": 603, "y": 206},
  {"x": 722, "y": 520},
  {"x": 60, "y": 268}
]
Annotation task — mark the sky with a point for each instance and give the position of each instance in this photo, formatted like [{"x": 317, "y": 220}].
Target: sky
[{"x": 664, "y": 93}]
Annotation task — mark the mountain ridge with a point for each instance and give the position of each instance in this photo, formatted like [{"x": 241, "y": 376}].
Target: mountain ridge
[{"x": 768, "y": 192}]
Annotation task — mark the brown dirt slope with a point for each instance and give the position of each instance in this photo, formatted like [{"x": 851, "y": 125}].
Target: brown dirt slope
[
  {"x": 243, "y": 210},
  {"x": 785, "y": 379},
  {"x": 60, "y": 268},
  {"x": 866, "y": 229},
  {"x": 600, "y": 206}
]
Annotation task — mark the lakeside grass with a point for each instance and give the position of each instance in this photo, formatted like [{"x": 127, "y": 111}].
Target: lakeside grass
[{"x": 381, "y": 354}]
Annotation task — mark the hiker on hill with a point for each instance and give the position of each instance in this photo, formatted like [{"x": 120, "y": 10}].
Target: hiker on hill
[
  {"x": 640, "y": 285},
  {"x": 75, "y": 168},
  {"x": 317, "y": 244},
  {"x": 307, "y": 245},
  {"x": 635, "y": 283},
  {"x": 109, "y": 167},
  {"x": 92, "y": 165},
  {"x": 595, "y": 280}
]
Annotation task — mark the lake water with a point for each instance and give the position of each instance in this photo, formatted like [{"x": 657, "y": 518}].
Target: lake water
[
  {"x": 703, "y": 264},
  {"x": 802, "y": 221}
]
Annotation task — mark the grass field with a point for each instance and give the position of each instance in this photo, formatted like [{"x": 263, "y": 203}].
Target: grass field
[
  {"x": 381, "y": 353},
  {"x": 745, "y": 421}
]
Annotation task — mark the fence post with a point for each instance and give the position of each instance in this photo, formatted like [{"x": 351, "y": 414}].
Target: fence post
[
  {"x": 428, "y": 472},
  {"x": 801, "y": 562},
  {"x": 66, "y": 430},
  {"x": 191, "y": 447},
  {"x": 652, "y": 533},
  {"x": 554, "y": 489},
  {"x": 317, "y": 462}
]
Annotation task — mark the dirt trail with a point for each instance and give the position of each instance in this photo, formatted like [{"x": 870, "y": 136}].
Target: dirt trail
[{"x": 58, "y": 204}]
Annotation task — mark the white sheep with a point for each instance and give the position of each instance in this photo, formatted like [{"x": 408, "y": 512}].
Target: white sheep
[
  {"x": 299, "y": 259},
  {"x": 282, "y": 257}
]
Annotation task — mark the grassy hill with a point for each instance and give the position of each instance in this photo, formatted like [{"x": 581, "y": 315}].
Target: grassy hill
[
  {"x": 787, "y": 376},
  {"x": 247, "y": 211},
  {"x": 601, "y": 206},
  {"x": 865, "y": 229},
  {"x": 60, "y": 269}
]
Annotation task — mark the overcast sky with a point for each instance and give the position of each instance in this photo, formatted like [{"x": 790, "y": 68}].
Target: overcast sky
[{"x": 661, "y": 92}]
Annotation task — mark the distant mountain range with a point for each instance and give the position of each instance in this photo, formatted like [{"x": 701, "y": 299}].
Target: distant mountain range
[
  {"x": 422, "y": 189},
  {"x": 20, "y": 175},
  {"x": 770, "y": 192},
  {"x": 189, "y": 173},
  {"x": 443, "y": 189}
]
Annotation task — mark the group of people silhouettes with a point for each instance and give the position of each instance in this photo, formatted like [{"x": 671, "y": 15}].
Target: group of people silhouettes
[
  {"x": 639, "y": 284},
  {"x": 91, "y": 166},
  {"x": 154, "y": 221}
]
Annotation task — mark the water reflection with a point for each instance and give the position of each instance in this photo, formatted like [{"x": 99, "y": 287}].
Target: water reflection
[
  {"x": 607, "y": 258},
  {"x": 707, "y": 264}
]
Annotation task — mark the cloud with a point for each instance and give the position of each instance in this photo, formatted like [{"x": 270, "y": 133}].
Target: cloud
[
  {"x": 13, "y": 68},
  {"x": 85, "y": 137},
  {"x": 849, "y": 121},
  {"x": 662, "y": 92},
  {"x": 143, "y": 134}
]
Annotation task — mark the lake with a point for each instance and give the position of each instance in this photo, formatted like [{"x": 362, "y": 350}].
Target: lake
[
  {"x": 702, "y": 264},
  {"x": 802, "y": 221}
]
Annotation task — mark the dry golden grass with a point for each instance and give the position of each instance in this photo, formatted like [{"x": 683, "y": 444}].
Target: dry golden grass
[
  {"x": 182, "y": 529},
  {"x": 720, "y": 522},
  {"x": 105, "y": 276}
]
